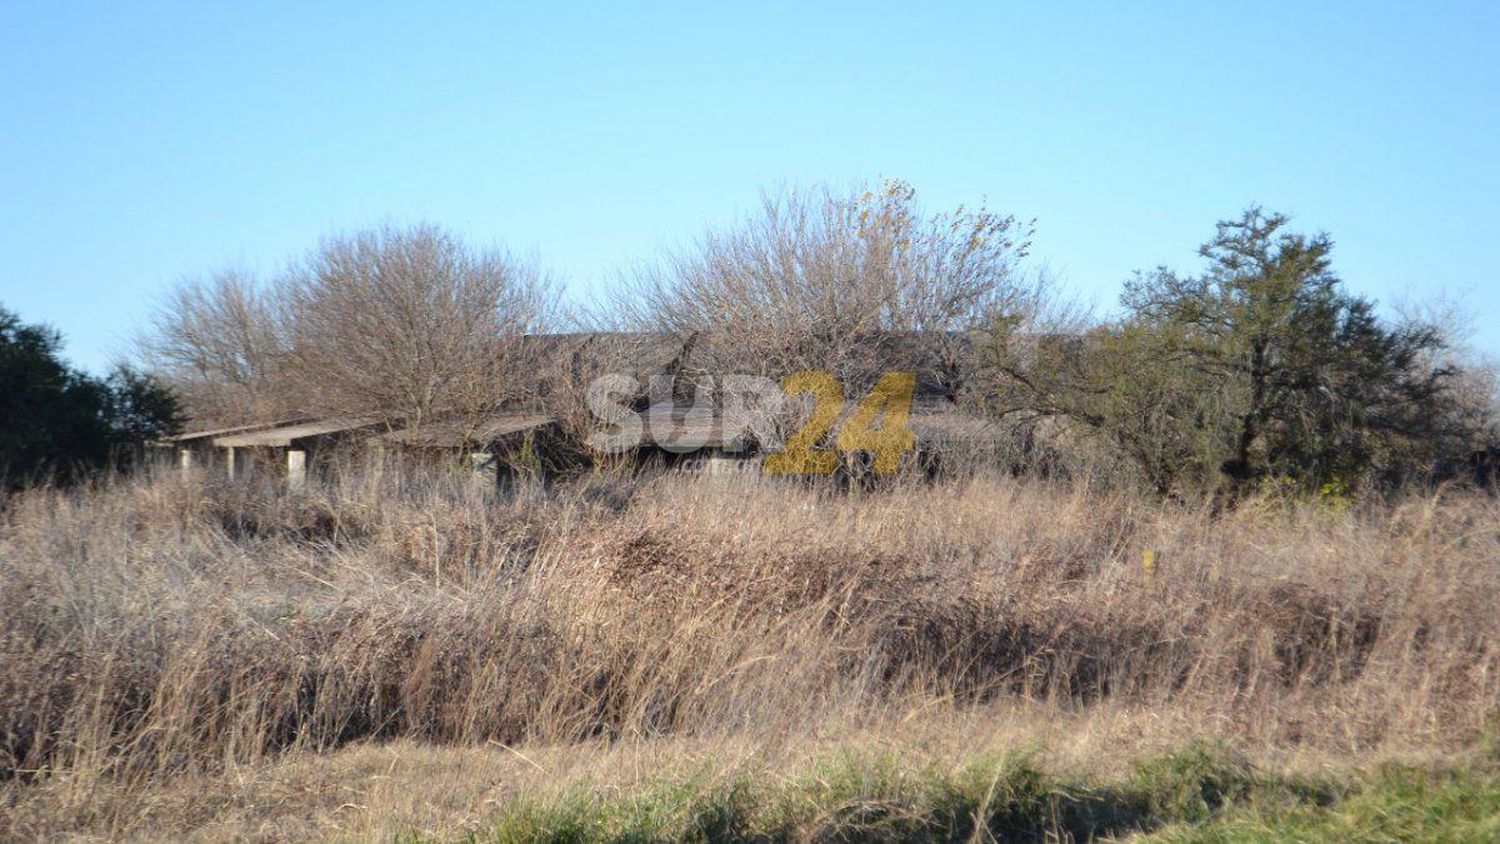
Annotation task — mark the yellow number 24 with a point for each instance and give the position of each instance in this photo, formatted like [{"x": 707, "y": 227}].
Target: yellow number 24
[{"x": 889, "y": 400}]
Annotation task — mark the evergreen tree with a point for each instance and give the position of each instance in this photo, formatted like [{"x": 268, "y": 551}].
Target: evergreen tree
[{"x": 56, "y": 422}]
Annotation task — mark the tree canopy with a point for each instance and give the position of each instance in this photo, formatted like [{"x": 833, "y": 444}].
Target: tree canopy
[
  {"x": 400, "y": 323},
  {"x": 1261, "y": 367},
  {"x": 55, "y": 420}
]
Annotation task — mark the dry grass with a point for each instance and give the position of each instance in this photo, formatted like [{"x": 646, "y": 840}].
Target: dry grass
[{"x": 387, "y": 654}]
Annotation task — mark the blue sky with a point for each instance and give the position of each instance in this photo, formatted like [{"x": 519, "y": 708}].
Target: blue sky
[{"x": 141, "y": 145}]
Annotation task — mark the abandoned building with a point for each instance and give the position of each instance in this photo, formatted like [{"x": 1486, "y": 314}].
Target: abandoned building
[{"x": 545, "y": 431}]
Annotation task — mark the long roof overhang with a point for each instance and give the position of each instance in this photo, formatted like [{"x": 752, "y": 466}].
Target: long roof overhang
[
  {"x": 460, "y": 433},
  {"x": 284, "y": 436}
]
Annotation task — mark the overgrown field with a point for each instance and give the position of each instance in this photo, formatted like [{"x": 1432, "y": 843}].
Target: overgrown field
[{"x": 688, "y": 657}]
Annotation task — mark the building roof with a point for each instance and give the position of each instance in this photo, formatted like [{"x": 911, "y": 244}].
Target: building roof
[
  {"x": 690, "y": 428},
  {"x": 196, "y": 436},
  {"x": 284, "y": 436},
  {"x": 950, "y": 427},
  {"x": 456, "y": 433}
]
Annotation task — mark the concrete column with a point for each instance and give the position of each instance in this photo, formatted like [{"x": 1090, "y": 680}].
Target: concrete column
[
  {"x": 229, "y": 466},
  {"x": 485, "y": 468},
  {"x": 718, "y": 463},
  {"x": 296, "y": 468}
]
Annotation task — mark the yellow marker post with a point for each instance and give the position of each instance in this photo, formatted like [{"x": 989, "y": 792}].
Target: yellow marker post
[{"x": 1148, "y": 560}]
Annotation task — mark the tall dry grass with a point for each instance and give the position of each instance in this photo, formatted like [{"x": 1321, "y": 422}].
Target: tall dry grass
[{"x": 159, "y": 630}]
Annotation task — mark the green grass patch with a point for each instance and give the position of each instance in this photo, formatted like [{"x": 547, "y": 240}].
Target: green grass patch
[
  {"x": 1393, "y": 804},
  {"x": 1200, "y": 793}
]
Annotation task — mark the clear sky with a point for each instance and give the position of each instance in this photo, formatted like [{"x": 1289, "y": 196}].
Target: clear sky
[{"x": 140, "y": 145}]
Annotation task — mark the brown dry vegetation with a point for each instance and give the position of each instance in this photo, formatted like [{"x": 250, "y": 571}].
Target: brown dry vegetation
[{"x": 386, "y": 654}]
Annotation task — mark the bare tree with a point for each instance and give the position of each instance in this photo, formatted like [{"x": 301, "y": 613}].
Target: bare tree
[
  {"x": 817, "y": 278},
  {"x": 1471, "y": 415},
  {"x": 221, "y": 343},
  {"x": 410, "y": 324},
  {"x": 405, "y": 324}
]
